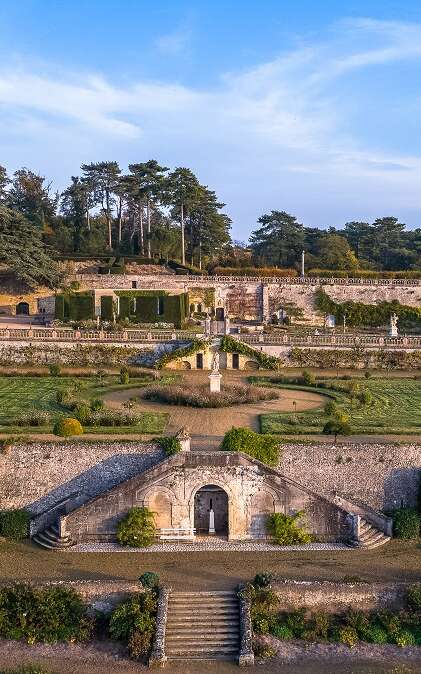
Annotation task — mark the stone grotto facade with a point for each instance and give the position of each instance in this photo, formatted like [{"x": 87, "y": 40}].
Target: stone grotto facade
[{"x": 183, "y": 489}]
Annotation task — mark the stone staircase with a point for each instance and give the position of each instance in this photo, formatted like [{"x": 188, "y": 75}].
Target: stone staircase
[
  {"x": 370, "y": 536},
  {"x": 51, "y": 540},
  {"x": 203, "y": 626}
]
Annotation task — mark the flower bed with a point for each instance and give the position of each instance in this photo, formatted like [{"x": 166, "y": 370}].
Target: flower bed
[{"x": 200, "y": 396}]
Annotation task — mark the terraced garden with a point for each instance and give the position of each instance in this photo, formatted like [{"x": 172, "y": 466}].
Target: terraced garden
[
  {"x": 18, "y": 395},
  {"x": 395, "y": 409}
]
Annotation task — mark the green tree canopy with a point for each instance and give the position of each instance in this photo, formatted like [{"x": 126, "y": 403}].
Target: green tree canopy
[
  {"x": 22, "y": 249},
  {"x": 279, "y": 241}
]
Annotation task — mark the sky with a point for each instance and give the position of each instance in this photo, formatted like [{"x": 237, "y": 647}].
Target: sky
[{"x": 311, "y": 106}]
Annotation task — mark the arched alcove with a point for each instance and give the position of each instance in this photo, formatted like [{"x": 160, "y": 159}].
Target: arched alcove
[{"x": 208, "y": 497}]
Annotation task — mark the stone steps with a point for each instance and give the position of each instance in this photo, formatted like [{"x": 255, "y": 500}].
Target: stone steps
[
  {"x": 370, "y": 536},
  {"x": 51, "y": 540},
  {"x": 203, "y": 626}
]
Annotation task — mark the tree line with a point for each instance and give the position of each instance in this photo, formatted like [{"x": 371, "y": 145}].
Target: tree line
[
  {"x": 384, "y": 244},
  {"x": 147, "y": 211}
]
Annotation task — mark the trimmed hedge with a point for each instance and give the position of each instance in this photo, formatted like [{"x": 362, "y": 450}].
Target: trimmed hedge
[
  {"x": 74, "y": 307},
  {"x": 264, "y": 448},
  {"x": 175, "y": 308},
  {"x": 107, "y": 313},
  {"x": 254, "y": 271}
]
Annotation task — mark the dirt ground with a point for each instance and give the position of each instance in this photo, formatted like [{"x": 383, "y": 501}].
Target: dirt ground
[{"x": 397, "y": 561}]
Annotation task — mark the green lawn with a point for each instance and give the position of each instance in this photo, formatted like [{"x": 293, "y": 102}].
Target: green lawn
[
  {"x": 395, "y": 410},
  {"x": 20, "y": 394}
]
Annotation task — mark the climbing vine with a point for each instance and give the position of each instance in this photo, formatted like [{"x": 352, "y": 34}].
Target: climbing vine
[{"x": 231, "y": 345}]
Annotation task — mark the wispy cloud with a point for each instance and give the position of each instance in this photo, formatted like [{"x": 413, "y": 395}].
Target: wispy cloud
[
  {"x": 273, "y": 122},
  {"x": 175, "y": 42}
]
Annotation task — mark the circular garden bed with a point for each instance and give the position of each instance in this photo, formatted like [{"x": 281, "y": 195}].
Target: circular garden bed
[{"x": 200, "y": 396}]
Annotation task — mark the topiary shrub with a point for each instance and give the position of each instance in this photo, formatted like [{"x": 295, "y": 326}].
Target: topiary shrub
[
  {"x": 134, "y": 622},
  {"x": 14, "y": 524},
  {"x": 336, "y": 427},
  {"x": 308, "y": 378},
  {"x": 82, "y": 412},
  {"x": 137, "y": 529},
  {"x": 124, "y": 375},
  {"x": 285, "y": 529},
  {"x": 96, "y": 405},
  {"x": 262, "y": 580},
  {"x": 265, "y": 448},
  {"x": 170, "y": 445},
  {"x": 43, "y": 615},
  {"x": 406, "y": 523},
  {"x": 67, "y": 427},
  {"x": 54, "y": 369}
]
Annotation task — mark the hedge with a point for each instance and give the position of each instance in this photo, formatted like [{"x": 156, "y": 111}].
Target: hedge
[
  {"x": 231, "y": 345},
  {"x": 264, "y": 448},
  {"x": 107, "y": 313},
  {"x": 175, "y": 307},
  {"x": 74, "y": 307},
  {"x": 254, "y": 271}
]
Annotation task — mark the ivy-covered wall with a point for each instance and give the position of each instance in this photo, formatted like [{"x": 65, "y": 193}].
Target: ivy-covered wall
[
  {"x": 370, "y": 315},
  {"x": 74, "y": 307}
]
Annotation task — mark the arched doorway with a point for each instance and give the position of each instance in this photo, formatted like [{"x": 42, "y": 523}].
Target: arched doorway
[
  {"x": 211, "y": 497},
  {"x": 22, "y": 309}
]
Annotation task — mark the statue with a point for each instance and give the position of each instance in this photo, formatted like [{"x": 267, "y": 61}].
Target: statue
[
  {"x": 215, "y": 362},
  {"x": 393, "y": 329}
]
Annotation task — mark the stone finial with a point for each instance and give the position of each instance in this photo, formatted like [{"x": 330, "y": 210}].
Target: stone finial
[{"x": 184, "y": 438}]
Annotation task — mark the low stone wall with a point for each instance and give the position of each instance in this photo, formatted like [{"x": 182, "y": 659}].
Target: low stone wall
[
  {"x": 69, "y": 353},
  {"x": 336, "y": 597},
  {"x": 384, "y": 476}
]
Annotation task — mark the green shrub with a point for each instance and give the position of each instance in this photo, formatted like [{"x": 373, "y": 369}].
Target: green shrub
[
  {"x": 82, "y": 412},
  {"x": 282, "y": 632},
  {"x": 134, "y": 622},
  {"x": 285, "y": 529},
  {"x": 365, "y": 397},
  {"x": 348, "y": 635},
  {"x": 124, "y": 375},
  {"x": 263, "y": 650},
  {"x": 262, "y": 580},
  {"x": 265, "y": 448},
  {"x": 308, "y": 378},
  {"x": 406, "y": 523},
  {"x": 96, "y": 404},
  {"x": 43, "y": 615},
  {"x": 336, "y": 427},
  {"x": 149, "y": 580},
  {"x": 375, "y": 634},
  {"x": 14, "y": 524},
  {"x": 170, "y": 445},
  {"x": 7, "y": 444},
  {"x": 405, "y": 638},
  {"x": 55, "y": 369},
  {"x": 67, "y": 427},
  {"x": 232, "y": 345},
  {"x": 137, "y": 529},
  {"x": 331, "y": 408},
  {"x": 413, "y": 597}
]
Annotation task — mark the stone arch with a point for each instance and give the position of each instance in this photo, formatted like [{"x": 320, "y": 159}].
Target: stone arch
[
  {"x": 209, "y": 497},
  {"x": 183, "y": 365},
  {"x": 231, "y": 501},
  {"x": 22, "y": 309},
  {"x": 262, "y": 503}
]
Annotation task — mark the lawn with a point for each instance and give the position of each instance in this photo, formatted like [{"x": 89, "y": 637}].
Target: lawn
[
  {"x": 395, "y": 410},
  {"x": 21, "y": 394}
]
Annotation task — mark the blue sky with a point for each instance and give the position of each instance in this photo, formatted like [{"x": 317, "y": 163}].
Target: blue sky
[{"x": 311, "y": 107}]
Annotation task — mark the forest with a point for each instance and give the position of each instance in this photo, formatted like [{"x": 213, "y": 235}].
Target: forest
[{"x": 153, "y": 212}]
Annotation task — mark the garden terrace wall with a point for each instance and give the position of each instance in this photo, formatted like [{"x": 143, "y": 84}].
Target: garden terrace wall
[{"x": 384, "y": 476}]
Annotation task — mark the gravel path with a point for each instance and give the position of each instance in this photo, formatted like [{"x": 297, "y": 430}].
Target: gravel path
[{"x": 207, "y": 544}]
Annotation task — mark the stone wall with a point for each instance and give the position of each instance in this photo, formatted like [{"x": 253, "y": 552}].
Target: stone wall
[
  {"x": 75, "y": 354},
  {"x": 384, "y": 476}
]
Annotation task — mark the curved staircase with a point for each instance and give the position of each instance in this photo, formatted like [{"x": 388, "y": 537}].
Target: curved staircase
[
  {"x": 203, "y": 626},
  {"x": 51, "y": 539},
  {"x": 369, "y": 536}
]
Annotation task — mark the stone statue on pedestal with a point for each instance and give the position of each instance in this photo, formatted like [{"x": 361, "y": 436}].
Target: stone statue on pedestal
[{"x": 393, "y": 328}]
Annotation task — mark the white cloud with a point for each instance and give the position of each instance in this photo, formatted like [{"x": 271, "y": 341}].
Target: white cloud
[
  {"x": 270, "y": 137},
  {"x": 174, "y": 43}
]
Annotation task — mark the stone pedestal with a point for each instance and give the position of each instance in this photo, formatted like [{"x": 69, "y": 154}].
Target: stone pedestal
[
  {"x": 183, "y": 436},
  {"x": 215, "y": 382}
]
